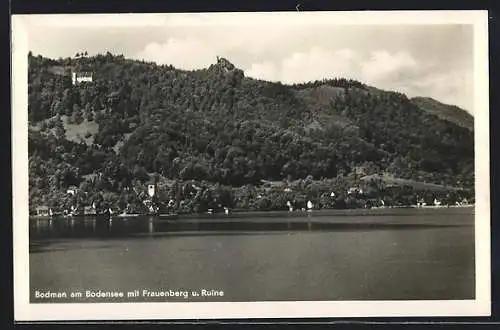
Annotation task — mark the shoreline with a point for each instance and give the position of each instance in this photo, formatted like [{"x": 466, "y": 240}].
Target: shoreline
[{"x": 253, "y": 213}]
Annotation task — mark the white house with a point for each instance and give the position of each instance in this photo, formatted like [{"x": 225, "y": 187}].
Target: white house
[
  {"x": 79, "y": 77},
  {"x": 151, "y": 190},
  {"x": 42, "y": 211},
  {"x": 354, "y": 190},
  {"x": 72, "y": 190}
]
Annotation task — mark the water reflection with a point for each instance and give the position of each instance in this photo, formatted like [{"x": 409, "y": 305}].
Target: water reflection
[
  {"x": 151, "y": 226},
  {"x": 284, "y": 257},
  {"x": 126, "y": 227}
]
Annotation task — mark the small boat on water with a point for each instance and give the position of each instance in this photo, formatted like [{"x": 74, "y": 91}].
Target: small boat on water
[
  {"x": 309, "y": 206},
  {"x": 168, "y": 216},
  {"x": 126, "y": 215}
]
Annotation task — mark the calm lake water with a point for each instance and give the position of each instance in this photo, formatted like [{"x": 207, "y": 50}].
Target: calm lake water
[{"x": 332, "y": 255}]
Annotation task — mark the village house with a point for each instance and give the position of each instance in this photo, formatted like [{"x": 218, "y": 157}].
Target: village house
[
  {"x": 89, "y": 210},
  {"x": 42, "y": 211},
  {"x": 151, "y": 190},
  {"x": 73, "y": 210},
  {"x": 354, "y": 191},
  {"x": 72, "y": 190},
  {"x": 421, "y": 202}
]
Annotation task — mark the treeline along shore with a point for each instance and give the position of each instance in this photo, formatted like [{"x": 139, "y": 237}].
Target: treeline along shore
[
  {"x": 161, "y": 196},
  {"x": 103, "y": 128}
]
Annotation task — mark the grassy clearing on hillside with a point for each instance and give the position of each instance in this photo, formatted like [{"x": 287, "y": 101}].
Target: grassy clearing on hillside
[
  {"x": 447, "y": 112},
  {"x": 391, "y": 180},
  {"x": 76, "y": 131},
  {"x": 386, "y": 178}
]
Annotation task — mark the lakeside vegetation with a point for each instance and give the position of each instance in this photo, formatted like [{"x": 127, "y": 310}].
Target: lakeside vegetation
[{"x": 214, "y": 138}]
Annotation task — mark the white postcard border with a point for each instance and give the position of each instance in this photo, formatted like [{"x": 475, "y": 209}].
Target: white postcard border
[{"x": 26, "y": 311}]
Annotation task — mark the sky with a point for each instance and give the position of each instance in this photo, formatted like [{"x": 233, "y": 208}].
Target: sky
[{"x": 416, "y": 58}]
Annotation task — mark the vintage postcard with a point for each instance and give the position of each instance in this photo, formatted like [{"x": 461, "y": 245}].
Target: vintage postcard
[{"x": 251, "y": 165}]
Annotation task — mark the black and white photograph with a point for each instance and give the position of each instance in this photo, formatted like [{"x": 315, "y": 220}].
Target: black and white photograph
[{"x": 250, "y": 165}]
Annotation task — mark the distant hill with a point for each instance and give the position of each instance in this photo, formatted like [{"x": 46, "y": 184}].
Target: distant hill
[
  {"x": 216, "y": 125},
  {"x": 447, "y": 112}
]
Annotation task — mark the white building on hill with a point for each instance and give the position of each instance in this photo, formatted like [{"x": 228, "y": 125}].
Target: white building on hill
[{"x": 79, "y": 77}]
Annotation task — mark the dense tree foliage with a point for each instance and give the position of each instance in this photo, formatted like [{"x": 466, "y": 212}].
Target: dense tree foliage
[{"x": 217, "y": 126}]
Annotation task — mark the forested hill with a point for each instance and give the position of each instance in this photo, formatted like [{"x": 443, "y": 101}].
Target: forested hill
[
  {"x": 448, "y": 112},
  {"x": 217, "y": 125}
]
